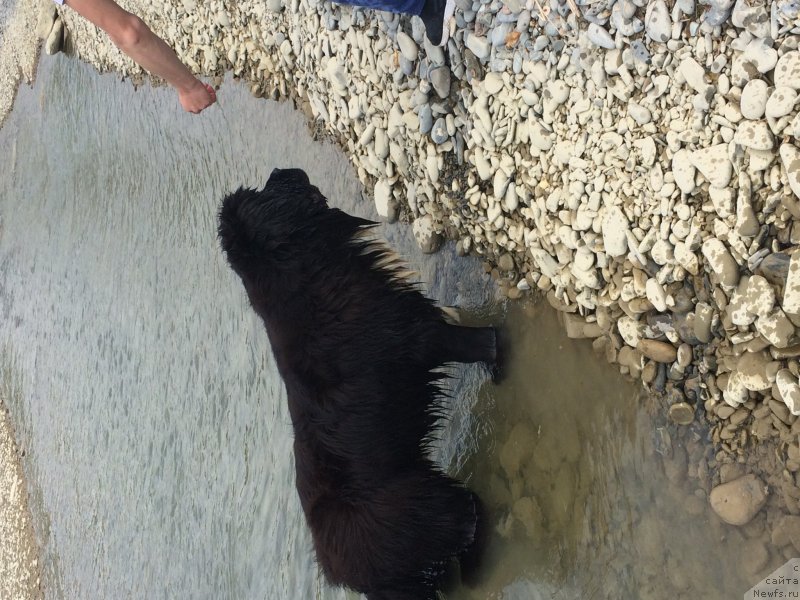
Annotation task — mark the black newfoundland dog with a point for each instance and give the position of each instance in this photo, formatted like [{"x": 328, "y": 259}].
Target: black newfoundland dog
[{"x": 356, "y": 345}]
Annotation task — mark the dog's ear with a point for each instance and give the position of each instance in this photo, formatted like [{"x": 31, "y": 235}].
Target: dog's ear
[
  {"x": 294, "y": 186},
  {"x": 237, "y": 228}
]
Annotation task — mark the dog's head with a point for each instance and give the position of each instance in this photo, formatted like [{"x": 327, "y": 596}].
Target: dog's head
[{"x": 257, "y": 226}]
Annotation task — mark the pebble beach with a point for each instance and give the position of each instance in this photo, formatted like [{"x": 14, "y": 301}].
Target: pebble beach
[{"x": 635, "y": 163}]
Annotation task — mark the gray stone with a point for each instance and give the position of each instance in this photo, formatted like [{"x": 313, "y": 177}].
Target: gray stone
[
  {"x": 713, "y": 163},
  {"x": 658, "y": 351},
  {"x": 718, "y": 12},
  {"x": 440, "y": 79},
  {"x": 427, "y": 238},
  {"x": 439, "y": 133},
  {"x": 425, "y": 119},
  {"x": 599, "y": 36}
]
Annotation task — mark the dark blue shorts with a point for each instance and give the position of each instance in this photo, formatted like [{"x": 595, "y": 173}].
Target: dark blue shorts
[{"x": 409, "y": 7}]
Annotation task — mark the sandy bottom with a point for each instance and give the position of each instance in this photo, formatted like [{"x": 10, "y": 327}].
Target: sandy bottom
[{"x": 19, "y": 556}]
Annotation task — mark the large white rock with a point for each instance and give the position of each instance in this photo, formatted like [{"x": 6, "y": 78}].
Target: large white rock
[
  {"x": 754, "y": 134},
  {"x": 759, "y": 296},
  {"x": 658, "y": 24},
  {"x": 789, "y": 389},
  {"x": 694, "y": 74},
  {"x": 760, "y": 53},
  {"x": 754, "y": 99},
  {"x": 791, "y": 291},
  {"x": 721, "y": 262},
  {"x": 713, "y": 163},
  {"x": 735, "y": 393},
  {"x": 408, "y": 47},
  {"x": 656, "y": 294},
  {"x": 630, "y": 330},
  {"x": 683, "y": 170}
]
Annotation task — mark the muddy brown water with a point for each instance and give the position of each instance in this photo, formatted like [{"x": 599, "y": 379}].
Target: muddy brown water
[{"x": 158, "y": 444}]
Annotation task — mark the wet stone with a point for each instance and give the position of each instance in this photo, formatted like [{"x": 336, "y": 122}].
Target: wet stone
[
  {"x": 780, "y": 410},
  {"x": 681, "y": 413},
  {"x": 775, "y": 268},
  {"x": 658, "y": 351},
  {"x": 738, "y": 501},
  {"x": 440, "y": 79},
  {"x": 754, "y": 556},
  {"x": 756, "y": 371},
  {"x": 427, "y": 238}
]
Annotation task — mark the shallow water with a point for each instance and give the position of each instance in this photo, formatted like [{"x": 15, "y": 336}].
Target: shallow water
[{"x": 158, "y": 439}]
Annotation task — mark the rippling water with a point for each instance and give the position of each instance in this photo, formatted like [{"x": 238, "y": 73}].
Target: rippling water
[
  {"x": 159, "y": 445},
  {"x": 154, "y": 415}
]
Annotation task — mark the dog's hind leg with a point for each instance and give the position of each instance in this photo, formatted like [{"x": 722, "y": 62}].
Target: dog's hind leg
[{"x": 467, "y": 344}]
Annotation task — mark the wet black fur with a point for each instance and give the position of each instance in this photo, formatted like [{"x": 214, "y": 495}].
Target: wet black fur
[{"x": 356, "y": 345}]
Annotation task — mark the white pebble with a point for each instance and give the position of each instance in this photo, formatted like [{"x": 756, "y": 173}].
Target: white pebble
[{"x": 754, "y": 99}]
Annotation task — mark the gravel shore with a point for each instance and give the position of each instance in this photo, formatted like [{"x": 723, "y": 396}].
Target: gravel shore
[
  {"x": 636, "y": 162},
  {"x": 19, "y": 47}
]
